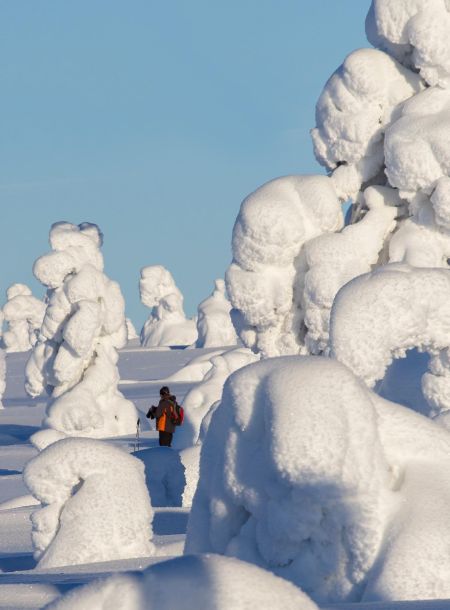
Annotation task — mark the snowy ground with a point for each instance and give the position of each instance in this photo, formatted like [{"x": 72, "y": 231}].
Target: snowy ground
[{"x": 24, "y": 586}]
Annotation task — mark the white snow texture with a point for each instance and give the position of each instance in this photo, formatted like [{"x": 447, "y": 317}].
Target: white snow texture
[
  {"x": 167, "y": 324},
  {"x": 95, "y": 504},
  {"x": 203, "y": 582},
  {"x": 75, "y": 358}
]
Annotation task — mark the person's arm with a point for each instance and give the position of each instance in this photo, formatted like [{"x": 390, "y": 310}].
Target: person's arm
[{"x": 160, "y": 409}]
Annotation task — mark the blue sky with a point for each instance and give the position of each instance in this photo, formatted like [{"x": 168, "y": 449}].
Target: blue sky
[{"x": 154, "y": 120}]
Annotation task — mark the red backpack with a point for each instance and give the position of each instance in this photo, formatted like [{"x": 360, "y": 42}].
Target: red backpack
[{"x": 177, "y": 416}]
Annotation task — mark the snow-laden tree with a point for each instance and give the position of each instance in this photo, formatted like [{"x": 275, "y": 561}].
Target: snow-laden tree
[
  {"x": 167, "y": 324},
  {"x": 214, "y": 325},
  {"x": 94, "y": 504},
  {"x": 382, "y": 133},
  {"x": 75, "y": 358},
  {"x": 131, "y": 331},
  {"x": 23, "y": 314}
]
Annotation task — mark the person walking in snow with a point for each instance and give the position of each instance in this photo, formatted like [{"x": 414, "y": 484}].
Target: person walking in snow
[{"x": 165, "y": 416}]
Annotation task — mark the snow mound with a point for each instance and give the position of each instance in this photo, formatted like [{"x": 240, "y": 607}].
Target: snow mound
[
  {"x": 167, "y": 324},
  {"x": 196, "y": 369},
  {"x": 200, "y": 582},
  {"x": 357, "y": 104},
  {"x": 416, "y": 149},
  {"x": 75, "y": 358},
  {"x": 214, "y": 326},
  {"x": 333, "y": 259},
  {"x": 381, "y": 315},
  {"x": 202, "y": 396},
  {"x": 292, "y": 476},
  {"x": 164, "y": 475},
  {"x": 23, "y": 314},
  {"x": 78, "y": 522},
  {"x": 265, "y": 279},
  {"x": 416, "y": 33}
]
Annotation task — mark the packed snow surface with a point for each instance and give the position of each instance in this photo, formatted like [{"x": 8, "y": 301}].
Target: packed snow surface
[
  {"x": 201, "y": 582},
  {"x": 214, "y": 325},
  {"x": 167, "y": 324},
  {"x": 75, "y": 358},
  {"x": 95, "y": 504}
]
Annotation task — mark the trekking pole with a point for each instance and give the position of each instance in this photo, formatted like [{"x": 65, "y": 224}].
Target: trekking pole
[{"x": 136, "y": 442}]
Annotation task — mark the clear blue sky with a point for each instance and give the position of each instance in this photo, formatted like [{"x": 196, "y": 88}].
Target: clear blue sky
[{"x": 154, "y": 119}]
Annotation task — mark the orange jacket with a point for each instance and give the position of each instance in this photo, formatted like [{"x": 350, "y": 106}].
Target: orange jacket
[{"x": 164, "y": 413}]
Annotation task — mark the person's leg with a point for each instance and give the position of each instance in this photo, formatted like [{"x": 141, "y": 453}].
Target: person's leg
[
  {"x": 169, "y": 439},
  {"x": 165, "y": 439}
]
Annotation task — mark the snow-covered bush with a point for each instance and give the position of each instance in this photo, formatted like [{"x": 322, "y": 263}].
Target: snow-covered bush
[
  {"x": 75, "y": 358},
  {"x": 214, "y": 325},
  {"x": 95, "y": 505},
  {"x": 23, "y": 314},
  {"x": 265, "y": 278},
  {"x": 201, "y": 582},
  {"x": 204, "y": 394},
  {"x": 381, "y": 315},
  {"x": 293, "y": 476},
  {"x": 305, "y": 472},
  {"x": 167, "y": 324}
]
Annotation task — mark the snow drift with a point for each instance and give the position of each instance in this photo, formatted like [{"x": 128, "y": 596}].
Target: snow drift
[
  {"x": 75, "y": 358},
  {"x": 167, "y": 324},
  {"x": 79, "y": 521}
]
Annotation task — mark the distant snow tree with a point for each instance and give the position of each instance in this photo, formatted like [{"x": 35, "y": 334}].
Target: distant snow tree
[
  {"x": 167, "y": 324},
  {"x": 75, "y": 358},
  {"x": 23, "y": 314},
  {"x": 214, "y": 325},
  {"x": 131, "y": 331}
]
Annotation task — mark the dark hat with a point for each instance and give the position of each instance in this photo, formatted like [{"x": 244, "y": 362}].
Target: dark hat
[{"x": 164, "y": 390}]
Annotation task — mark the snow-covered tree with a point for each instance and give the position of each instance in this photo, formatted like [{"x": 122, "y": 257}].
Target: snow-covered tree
[
  {"x": 382, "y": 132},
  {"x": 131, "y": 331},
  {"x": 167, "y": 324},
  {"x": 23, "y": 314},
  {"x": 214, "y": 325},
  {"x": 94, "y": 504},
  {"x": 75, "y": 358},
  {"x": 308, "y": 473},
  {"x": 2, "y": 375}
]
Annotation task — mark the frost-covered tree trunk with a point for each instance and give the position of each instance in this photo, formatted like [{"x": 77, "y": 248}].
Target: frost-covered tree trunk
[
  {"x": 23, "y": 314},
  {"x": 75, "y": 358},
  {"x": 167, "y": 324}
]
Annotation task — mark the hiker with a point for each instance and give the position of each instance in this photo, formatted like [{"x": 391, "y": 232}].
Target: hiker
[{"x": 165, "y": 415}]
